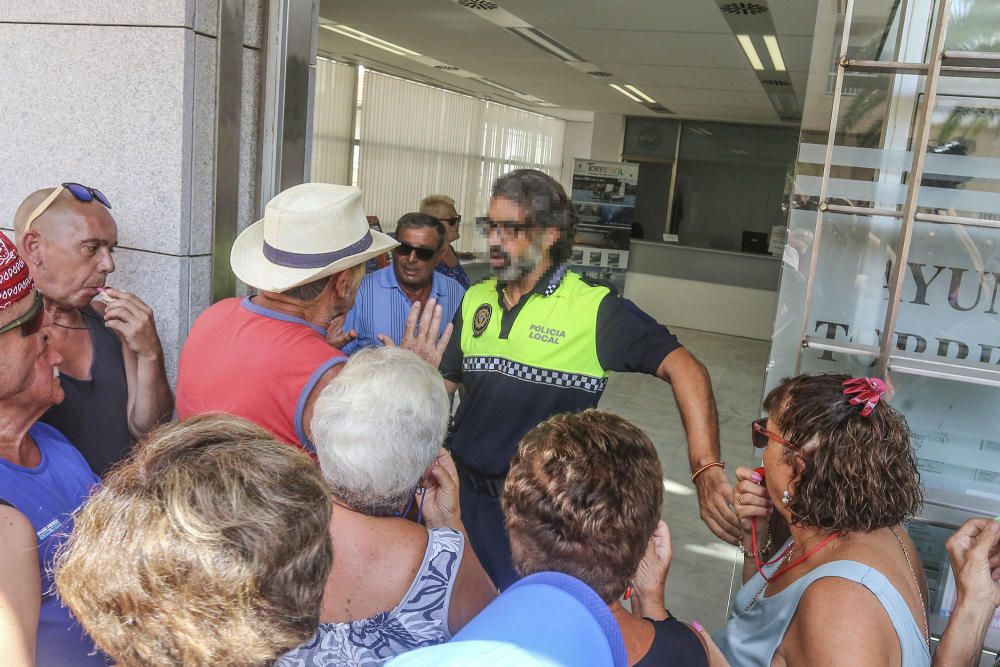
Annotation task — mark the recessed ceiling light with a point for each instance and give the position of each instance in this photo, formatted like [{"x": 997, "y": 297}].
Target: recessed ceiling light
[
  {"x": 371, "y": 40},
  {"x": 751, "y": 52},
  {"x": 640, "y": 93},
  {"x": 772, "y": 48},
  {"x": 625, "y": 92}
]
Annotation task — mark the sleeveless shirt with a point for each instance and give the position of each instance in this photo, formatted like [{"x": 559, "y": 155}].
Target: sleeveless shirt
[
  {"x": 256, "y": 363},
  {"x": 420, "y": 619},
  {"x": 674, "y": 644},
  {"x": 47, "y": 495},
  {"x": 94, "y": 413},
  {"x": 751, "y": 637}
]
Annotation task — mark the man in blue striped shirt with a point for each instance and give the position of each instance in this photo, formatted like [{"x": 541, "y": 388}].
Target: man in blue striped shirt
[{"x": 386, "y": 296}]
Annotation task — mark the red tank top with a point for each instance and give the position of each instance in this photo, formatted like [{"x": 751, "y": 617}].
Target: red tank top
[{"x": 255, "y": 363}]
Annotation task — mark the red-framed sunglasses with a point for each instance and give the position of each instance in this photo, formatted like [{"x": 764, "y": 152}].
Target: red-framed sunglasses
[{"x": 760, "y": 436}]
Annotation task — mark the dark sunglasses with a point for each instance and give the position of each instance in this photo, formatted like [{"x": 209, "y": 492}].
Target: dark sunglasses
[
  {"x": 85, "y": 193},
  {"x": 423, "y": 254},
  {"x": 760, "y": 436},
  {"x": 31, "y": 322},
  {"x": 452, "y": 221}
]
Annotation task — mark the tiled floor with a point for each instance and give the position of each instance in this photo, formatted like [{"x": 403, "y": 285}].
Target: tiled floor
[{"x": 698, "y": 586}]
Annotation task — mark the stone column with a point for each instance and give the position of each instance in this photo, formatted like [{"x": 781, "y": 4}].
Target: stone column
[{"x": 120, "y": 95}]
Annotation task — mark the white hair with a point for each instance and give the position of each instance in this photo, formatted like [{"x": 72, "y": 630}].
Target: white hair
[{"x": 378, "y": 426}]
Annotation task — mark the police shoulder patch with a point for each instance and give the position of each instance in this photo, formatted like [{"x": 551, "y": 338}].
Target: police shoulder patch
[{"x": 481, "y": 319}]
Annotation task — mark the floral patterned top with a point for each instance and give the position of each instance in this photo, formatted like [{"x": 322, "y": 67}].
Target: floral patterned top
[
  {"x": 420, "y": 619},
  {"x": 455, "y": 272}
]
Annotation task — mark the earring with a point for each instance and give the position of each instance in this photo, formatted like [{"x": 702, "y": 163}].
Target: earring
[
  {"x": 786, "y": 497},
  {"x": 629, "y": 589}
]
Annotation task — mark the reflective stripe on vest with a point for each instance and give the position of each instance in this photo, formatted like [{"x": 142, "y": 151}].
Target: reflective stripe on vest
[{"x": 553, "y": 340}]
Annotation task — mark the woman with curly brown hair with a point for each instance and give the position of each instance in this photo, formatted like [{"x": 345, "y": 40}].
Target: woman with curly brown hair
[
  {"x": 583, "y": 497},
  {"x": 847, "y": 587}
]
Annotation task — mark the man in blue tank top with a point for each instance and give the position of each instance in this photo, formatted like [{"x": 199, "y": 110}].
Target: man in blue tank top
[{"x": 41, "y": 474}]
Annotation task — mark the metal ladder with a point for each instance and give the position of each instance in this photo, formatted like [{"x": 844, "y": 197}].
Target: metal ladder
[{"x": 942, "y": 63}]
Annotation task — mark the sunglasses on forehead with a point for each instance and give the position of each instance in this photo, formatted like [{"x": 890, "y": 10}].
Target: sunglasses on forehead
[
  {"x": 423, "y": 254},
  {"x": 760, "y": 436},
  {"x": 31, "y": 322},
  {"x": 80, "y": 192}
]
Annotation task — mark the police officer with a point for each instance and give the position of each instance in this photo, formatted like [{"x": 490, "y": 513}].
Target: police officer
[{"x": 536, "y": 340}]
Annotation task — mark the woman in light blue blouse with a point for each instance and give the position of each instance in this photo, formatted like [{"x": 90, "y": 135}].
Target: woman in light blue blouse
[{"x": 847, "y": 586}]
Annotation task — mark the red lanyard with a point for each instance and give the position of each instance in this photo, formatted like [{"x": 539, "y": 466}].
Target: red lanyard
[{"x": 781, "y": 556}]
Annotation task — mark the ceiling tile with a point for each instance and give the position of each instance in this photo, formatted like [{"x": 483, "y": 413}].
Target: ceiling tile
[
  {"x": 796, "y": 51},
  {"x": 678, "y": 15},
  {"x": 695, "y": 96},
  {"x": 737, "y": 115},
  {"x": 648, "y": 47},
  {"x": 794, "y": 17}
]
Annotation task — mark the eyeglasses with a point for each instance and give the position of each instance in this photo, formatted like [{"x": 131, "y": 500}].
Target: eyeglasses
[
  {"x": 423, "y": 254},
  {"x": 452, "y": 221},
  {"x": 81, "y": 192},
  {"x": 506, "y": 228},
  {"x": 760, "y": 436},
  {"x": 31, "y": 322}
]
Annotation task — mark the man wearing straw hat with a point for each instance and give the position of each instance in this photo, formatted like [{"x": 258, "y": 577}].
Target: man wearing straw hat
[{"x": 266, "y": 358}]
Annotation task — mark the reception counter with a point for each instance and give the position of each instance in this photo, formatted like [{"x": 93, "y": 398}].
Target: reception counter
[{"x": 724, "y": 292}]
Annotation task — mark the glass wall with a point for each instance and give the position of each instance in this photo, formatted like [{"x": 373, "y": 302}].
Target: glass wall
[
  {"x": 723, "y": 186},
  {"x": 873, "y": 286}
]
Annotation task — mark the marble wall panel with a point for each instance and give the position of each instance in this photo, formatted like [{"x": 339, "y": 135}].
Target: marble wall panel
[
  {"x": 178, "y": 13},
  {"x": 78, "y": 104}
]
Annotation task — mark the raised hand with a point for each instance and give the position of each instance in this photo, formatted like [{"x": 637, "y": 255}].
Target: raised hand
[
  {"x": 441, "y": 500},
  {"x": 715, "y": 494},
  {"x": 133, "y": 320},
  {"x": 335, "y": 334},
  {"x": 650, "y": 577},
  {"x": 421, "y": 333},
  {"x": 752, "y": 502},
  {"x": 975, "y": 561}
]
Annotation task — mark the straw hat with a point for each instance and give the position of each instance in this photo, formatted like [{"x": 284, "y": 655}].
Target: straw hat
[{"x": 309, "y": 231}]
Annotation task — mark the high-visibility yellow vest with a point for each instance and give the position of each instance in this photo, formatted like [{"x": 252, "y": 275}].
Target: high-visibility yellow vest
[{"x": 553, "y": 340}]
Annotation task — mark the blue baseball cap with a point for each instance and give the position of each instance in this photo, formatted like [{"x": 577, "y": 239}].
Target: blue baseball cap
[{"x": 549, "y": 619}]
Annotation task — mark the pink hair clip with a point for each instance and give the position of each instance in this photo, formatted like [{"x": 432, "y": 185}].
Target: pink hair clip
[{"x": 867, "y": 392}]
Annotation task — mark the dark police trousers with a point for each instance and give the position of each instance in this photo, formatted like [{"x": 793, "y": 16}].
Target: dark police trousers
[{"x": 484, "y": 522}]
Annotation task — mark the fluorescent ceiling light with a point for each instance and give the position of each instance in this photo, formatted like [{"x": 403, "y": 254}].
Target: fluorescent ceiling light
[
  {"x": 371, "y": 40},
  {"x": 751, "y": 52},
  {"x": 502, "y": 87},
  {"x": 640, "y": 93},
  {"x": 546, "y": 43},
  {"x": 625, "y": 92},
  {"x": 772, "y": 47}
]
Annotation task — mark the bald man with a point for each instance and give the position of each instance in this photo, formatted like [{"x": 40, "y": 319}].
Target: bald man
[{"x": 112, "y": 374}]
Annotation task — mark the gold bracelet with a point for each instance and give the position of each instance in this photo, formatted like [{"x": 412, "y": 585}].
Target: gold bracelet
[{"x": 713, "y": 464}]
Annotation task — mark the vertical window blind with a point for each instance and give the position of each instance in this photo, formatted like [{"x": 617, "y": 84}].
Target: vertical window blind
[
  {"x": 333, "y": 119},
  {"x": 417, "y": 140}
]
